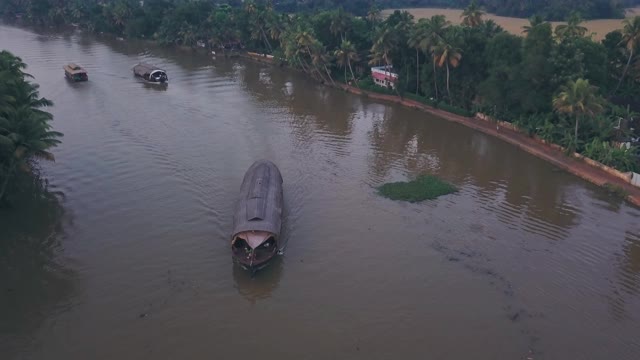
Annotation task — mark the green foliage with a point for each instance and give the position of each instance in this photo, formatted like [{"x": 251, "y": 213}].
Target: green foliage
[
  {"x": 455, "y": 109},
  {"x": 425, "y": 187},
  {"x": 25, "y": 130},
  {"x": 620, "y": 158},
  {"x": 422, "y": 99},
  {"x": 369, "y": 85}
]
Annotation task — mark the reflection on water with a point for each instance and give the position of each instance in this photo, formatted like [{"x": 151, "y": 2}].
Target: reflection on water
[
  {"x": 33, "y": 284},
  {"x": 262, "y": 284}
]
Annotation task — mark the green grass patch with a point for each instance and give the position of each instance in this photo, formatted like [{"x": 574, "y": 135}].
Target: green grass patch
[{"x": 425, "y": 187}]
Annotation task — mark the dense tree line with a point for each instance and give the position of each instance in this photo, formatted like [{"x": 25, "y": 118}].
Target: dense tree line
[
  {"x": 548, "y": 9},
  {"x": 560, "y": 84},
  {"x": 25, "y": 130}
]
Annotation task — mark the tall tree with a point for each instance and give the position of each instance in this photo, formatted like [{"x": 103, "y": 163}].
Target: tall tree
[
  {"x": 340, "y": 23},
  {"x": 448, "y": 56},
  {"x": 417, "y": 37},
  {"x": 472, "y": 15},
  {"x": 631, "y": 41},
  {"x": 25, "y": 130},
  {"x": 344, "y": 56},
  {"x": 534, "y": 21},
  {"x": 578, "y": 99},
  {"x": 572, "y": 28}
]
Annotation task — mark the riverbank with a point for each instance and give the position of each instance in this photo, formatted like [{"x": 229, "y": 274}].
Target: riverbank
[{"x": 582, "y": 168}]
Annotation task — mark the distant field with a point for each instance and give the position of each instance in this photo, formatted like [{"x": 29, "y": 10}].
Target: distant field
[{"x": 600, "y": 28}]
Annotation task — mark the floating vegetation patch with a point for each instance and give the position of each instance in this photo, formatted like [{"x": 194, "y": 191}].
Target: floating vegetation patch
[
  {"x": 616, "y": 190},
  {"x": 425, "y": 187}
]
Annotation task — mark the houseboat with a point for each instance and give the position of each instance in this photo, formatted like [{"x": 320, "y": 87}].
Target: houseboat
[
  {"x": 151, "y": 73},
  {"x": 75, "y": 72},
  {"x": 384, "y": 76},
  {"x": 258, "y": 217}
]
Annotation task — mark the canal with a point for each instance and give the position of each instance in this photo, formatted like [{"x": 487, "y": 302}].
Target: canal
[{"x": 127, "y": 255}]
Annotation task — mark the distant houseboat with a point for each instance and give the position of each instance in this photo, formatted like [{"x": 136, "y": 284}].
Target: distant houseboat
[
  {"x": 384, "y": 76},
  {"x": 75, "y": 72},
  {"x": 151, "y": 73}
]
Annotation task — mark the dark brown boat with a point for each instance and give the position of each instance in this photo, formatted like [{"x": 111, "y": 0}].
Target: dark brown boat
[
  {"x": 151, "y": 74},
  {"x": 258, "y": 218}
]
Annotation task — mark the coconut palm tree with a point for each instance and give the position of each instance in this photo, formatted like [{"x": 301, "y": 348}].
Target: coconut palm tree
[
  {"x": 257, "y": 21},
  {"x": 579, "y": 99},
  {"x": 631, "y": 41},
  {"x": 384, "y": 43},
  {"x": 436, "y": 28},
  {"x": 472, "y": 15},
  {"x": 373, "y": 15},
  {"x": 25, "y": 132},
  {"x": 344, "y": 56},
  {"x": 340, "y": 24},
  {"x": 533, "y": 22},
  {"x": 449, "y": 56},
  {"x": 320, "y": 58},
  {"x": 305, "y": 41},
  {"x": 417, "y": 36},
  {"x": 572, "y": 28}
]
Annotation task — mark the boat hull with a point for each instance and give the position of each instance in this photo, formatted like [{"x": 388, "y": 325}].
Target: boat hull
[{"x": 257, "y": 221}]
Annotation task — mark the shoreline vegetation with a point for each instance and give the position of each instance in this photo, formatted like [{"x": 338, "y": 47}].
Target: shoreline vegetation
[
  {"x": 559, "y": 86},
  {"x": 25, "y": 129}
]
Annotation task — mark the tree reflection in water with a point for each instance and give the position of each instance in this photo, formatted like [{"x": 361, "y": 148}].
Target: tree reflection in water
[
  {"x": 627, "y": 284},
  {"x": 32, "y": 282}
]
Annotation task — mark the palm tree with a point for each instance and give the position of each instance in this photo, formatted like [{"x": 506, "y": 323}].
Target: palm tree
[
  {"x": 306, "y": 40},
  {"x": 436, "y": 28},
  {"x": 578, "y": 98},
  {"x": 448, "y": 56},
  {"x": 25, "y": 132},
  {"x": 533, "y": 22},
  {"x": 257, "y": 20},
  {"x": 276, "y": 25},
  {"x": 472, "y": 15},
  {"x": 373, "y": 15},
  {"x": 572, "y": 28},
  {"x": 384, "y": 43},
  {"x": 631, "y": 41},
  {"x": 416, "y": 40},
  {"x": 344, "y": 56},
  {"x": 320, "y": 57},
  {"x": 340, "y": 24}
]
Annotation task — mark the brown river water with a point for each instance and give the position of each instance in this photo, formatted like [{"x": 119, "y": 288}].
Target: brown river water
[{"x": 133, "y": 260}]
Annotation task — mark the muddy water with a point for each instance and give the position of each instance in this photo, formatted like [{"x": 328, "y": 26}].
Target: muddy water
[
  {"x": 597, "y": 28},
  {"x": 130, "y": 259}
]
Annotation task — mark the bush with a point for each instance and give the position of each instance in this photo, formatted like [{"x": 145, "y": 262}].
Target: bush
[
  {"x": 425, "y": 187},
  {"x": 622, "y": 159},
  {"x": 455, "y": 110},
  {"x": 422, "y": 99}
]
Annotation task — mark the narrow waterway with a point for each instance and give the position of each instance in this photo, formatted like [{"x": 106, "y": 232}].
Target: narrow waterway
[{"x": 129, "y": 258}]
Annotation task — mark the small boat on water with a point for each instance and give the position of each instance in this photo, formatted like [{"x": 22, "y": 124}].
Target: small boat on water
[
  {"x": 75, "y": 72},
  {"x": 258, "y": 217},
  {"x": 151, "y": 73}
]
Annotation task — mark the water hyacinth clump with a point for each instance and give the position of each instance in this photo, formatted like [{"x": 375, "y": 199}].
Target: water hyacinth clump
[{"x": 425, "y": 187}]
